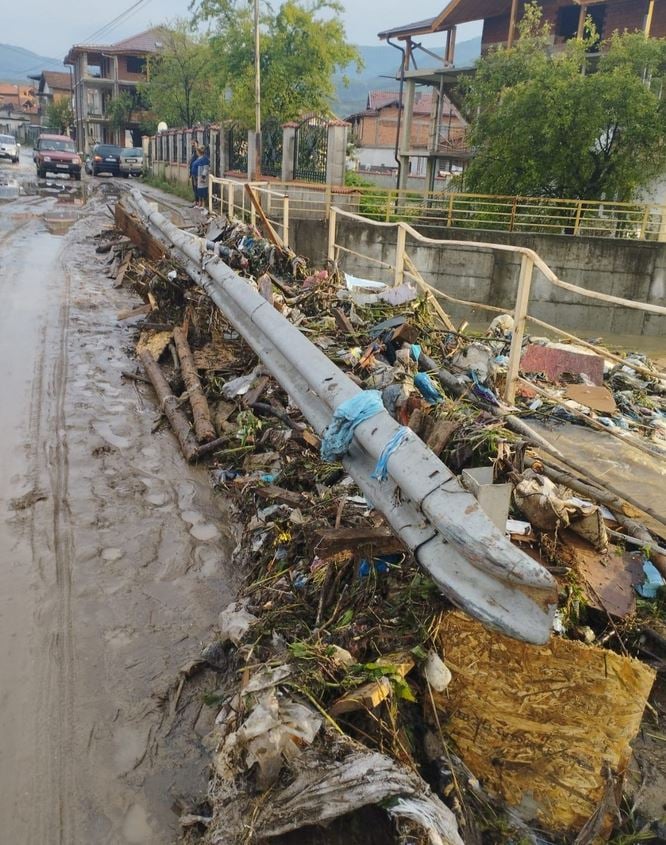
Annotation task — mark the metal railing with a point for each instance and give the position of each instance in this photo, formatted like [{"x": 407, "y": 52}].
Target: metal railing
[
  {"x": 481, "y": 212},
  {"x": 404, "y": 268}
]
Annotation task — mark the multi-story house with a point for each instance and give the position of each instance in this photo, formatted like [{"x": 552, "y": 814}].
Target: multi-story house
[
  {"x": 101, "y": 74},
  {"x": 50, "y": 87},
  {"x": 18, "y": 109},
  {"x": 499, "y": 19},
  {"x": 437, "y": 127}
]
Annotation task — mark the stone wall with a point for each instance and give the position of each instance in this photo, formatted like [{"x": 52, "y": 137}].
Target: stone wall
[{"x": 629, "y": 269}]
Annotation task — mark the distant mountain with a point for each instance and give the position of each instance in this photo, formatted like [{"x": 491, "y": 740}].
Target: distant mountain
[
  {"x": 16, "y": 63},
  {"x": 382, "y": 63}
]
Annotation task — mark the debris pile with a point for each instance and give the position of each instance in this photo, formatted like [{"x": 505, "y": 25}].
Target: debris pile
[{"x": 349, "y": 685}]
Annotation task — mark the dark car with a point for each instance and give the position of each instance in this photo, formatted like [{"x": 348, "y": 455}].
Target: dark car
[
  {"x": 56, "y": 154},
  {"x": 105, "y": 158}
]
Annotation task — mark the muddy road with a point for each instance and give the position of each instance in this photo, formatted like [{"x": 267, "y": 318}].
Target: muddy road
[{"x": 115, "y": 553}]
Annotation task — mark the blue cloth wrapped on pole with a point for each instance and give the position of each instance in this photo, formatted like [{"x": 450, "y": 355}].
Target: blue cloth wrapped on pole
[
  {"x": 381, "y": 470},
  {"x": 337, "y": 438},
  {"x": 427, "y": 389}
]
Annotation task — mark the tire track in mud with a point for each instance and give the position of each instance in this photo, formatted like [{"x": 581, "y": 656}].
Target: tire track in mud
[{"x": 59, "y": 789}]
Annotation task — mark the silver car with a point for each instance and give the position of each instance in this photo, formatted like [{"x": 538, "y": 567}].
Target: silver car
[
  {"x": 131, "y": 162},
  {"x": 9, "y": 148}
]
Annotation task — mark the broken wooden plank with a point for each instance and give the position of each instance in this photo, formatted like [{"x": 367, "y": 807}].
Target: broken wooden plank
[
  {"x": 169, "y": 405},
  {"x": 128, "y": 313},
  {"x": 441, "y": 434},
  {"x": 331, "y": 540},
  {"x": 273, "y": 493},
  {"x": 270, "y": 231},
  {"x": 203, "y": 425},
  {"x": 254, "y": 393},
  {"x": 138, "y": 234}
]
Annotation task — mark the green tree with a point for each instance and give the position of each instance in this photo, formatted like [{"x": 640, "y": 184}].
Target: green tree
[
  {"x": 119, "y": 111},
  {"x": 59, "y": 115},
  {"x": 303, "y": 44},
  {"x": 567, "y": 123},
  {"x": 180, "y": 89}
]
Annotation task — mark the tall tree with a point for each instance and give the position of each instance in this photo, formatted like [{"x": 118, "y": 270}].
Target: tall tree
[
  {"x": 59, "y": 115},
  {"x": 567, "y": 123},
  {"x": 180, "y": 89},
  {"x": 303, "y": 44}
]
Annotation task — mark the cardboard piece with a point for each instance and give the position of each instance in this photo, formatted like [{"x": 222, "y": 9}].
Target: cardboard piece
[
  {"x": 597, "y": 398},
  {"x": 542, "y": 727}
]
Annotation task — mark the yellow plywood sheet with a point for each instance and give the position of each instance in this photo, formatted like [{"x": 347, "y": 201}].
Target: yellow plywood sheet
[
  {"x": 155, "y": 343},
  {"x": 541, "y": 726}
]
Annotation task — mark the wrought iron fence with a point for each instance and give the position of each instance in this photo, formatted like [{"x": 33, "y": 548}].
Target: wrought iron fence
[
  {"x": 311, "y": 150},
  {"x": 271, "y": 148},
  {"x": 237, "y": 147}
]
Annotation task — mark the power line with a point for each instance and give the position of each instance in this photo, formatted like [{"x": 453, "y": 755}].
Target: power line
[{"x": 115, "y": 21}]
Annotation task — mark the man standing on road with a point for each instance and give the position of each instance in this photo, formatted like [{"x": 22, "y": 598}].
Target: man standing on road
[
  {"x": 193, "y": 157},
  {"x": 199, "y": 171}
]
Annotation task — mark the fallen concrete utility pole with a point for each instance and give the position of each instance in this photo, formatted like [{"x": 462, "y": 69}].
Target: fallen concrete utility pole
[{"x": 471, "y": 561}]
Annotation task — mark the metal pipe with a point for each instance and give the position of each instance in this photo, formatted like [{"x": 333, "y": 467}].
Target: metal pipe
[{"x": 447, "y": 517}]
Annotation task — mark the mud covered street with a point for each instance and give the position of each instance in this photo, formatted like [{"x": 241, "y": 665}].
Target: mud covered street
[{"x": 114, "y": 551}]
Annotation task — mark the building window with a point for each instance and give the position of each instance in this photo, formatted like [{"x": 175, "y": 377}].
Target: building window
[{"x": 136, "y": 64}]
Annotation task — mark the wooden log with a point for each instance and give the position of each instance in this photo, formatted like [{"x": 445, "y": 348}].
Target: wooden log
[
  {"x": 169, "y": 405},
  {"x": 279, "y": 494},
  {"x": 138, "y": 234},
  {"x": 203, "y": 425},
  {"x": 331, "y": 540}
]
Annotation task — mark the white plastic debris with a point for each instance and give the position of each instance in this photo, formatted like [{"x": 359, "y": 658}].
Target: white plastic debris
[
  {"x": 235, "y": 621},
  {"x": 436, "y": 672}
]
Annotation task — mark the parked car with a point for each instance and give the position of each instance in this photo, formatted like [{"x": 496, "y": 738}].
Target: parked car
[
  {"x": 105, "y": 158},
  {"x": 9, "y": 148},
  {"x": 57, "y": 154},
  {"x": 131, "y": 162}
]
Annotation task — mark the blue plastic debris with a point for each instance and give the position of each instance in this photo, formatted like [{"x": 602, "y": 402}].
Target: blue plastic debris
[
  {"x": 416, "y": 352},
  {"x": 381, "y": 565},
  {"x": 427, "y": 389},
  {"x": 347, "y": 416},
  {"x": 381, "y": 470},
  {"x": 653, "y": 581}
]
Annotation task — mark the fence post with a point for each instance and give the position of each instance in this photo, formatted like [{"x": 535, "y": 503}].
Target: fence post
[
  {"x": 230, "y": 201},
  {"x": 332, "y": 219},
  {"x": 512, "y": 221},
  {"x": 328, "y": 200},
  {"x": 388, "y": 207},
  {"x": 449, "y": 219},
  {"x": 285, "y": 219},
  {"x": 210, "y": 193},
  {"x": 399, "y": 268},
  {"x": 644, "y": 222},
  {"x": 579, "y": 211},
  {"x": 519, "y": 315}
]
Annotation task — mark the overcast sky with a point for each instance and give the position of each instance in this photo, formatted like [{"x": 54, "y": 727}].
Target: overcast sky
[{"x": 49, "y": 28}]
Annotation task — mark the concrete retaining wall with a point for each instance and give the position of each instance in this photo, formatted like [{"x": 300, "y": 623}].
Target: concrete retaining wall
[{"x": 632, "y": 270}]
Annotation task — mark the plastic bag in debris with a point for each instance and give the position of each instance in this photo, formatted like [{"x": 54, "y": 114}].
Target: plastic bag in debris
[
  {"x": 340, "y": 431},
  {"x": 275, "y": 730},
  {"x": 501, "y": 326},
  {"x": 241, "y": 385},
  {"x": 436, "y": 672},
  {"x": 399, "y": 295},
  {"x": 539, "y": 500},
  {"x": 325, "y": 790},
  {"x": 235, "y": 621},
  {"x": 475, "y": 358},
  {"x": 653, "y": 581}
]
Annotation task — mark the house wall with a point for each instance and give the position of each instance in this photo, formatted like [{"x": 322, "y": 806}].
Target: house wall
[
  {"x": 620, "y": 15},
  {"x": 632, "y": 270},
  {"x": 127, "y": 75}
]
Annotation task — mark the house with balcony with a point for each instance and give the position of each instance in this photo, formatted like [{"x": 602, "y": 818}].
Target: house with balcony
[
  {"x": 437, "y": 128},
  {"x": 18, "y": 109},
  {"x": 102, "y": 73},
  {"x": 50, "y": 86},
  {"x": 499, "y": 19}
]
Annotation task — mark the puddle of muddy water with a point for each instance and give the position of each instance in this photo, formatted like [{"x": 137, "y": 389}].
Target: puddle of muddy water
[{"x": 60, "y": 222}]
